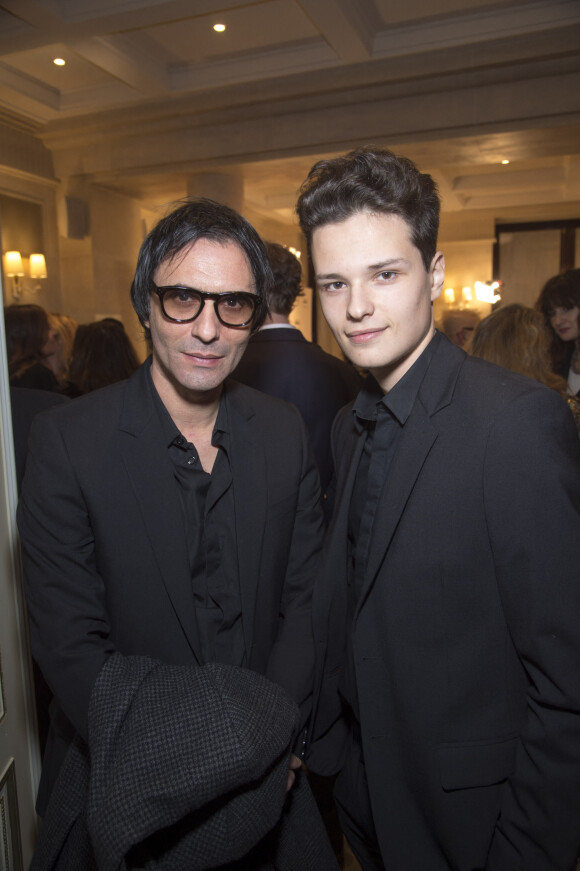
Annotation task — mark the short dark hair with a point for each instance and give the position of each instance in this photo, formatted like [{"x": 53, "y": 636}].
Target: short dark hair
[
  {"x": 198, "y": 218},
  {"x": 287, "y": 284},
  {"x": 372, "y": 180}
]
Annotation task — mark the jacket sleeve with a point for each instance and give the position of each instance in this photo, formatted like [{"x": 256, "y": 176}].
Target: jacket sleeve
[
  {"x": 69, "y": 628},
  {"x": 532, "y": 500}
]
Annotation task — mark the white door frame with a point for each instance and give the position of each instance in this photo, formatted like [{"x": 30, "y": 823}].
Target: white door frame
[{"x": 19, "y": 747}]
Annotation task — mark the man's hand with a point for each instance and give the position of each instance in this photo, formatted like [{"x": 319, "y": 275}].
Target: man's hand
[{"x": 295, "y": 764}]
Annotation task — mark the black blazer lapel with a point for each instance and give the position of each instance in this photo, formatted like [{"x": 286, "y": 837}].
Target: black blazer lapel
[
  {"x": 419, "y": 435},
  {"x": 250, "y": 482},
  {"x": 151, "y": 477}
]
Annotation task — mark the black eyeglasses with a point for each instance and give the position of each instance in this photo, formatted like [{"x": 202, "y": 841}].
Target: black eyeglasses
[{"x": 184, "y": 304}]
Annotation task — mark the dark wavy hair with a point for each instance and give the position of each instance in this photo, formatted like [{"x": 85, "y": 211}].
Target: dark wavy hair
[
  {"x": 560, "y": 291},
  {"x": 371, "y": 180},
  {"x": 198, "y": 218},
  {"x": 27, "y": 328},
  {"x": 102, "y": 354},
  {"x": 287, "y": 283}
]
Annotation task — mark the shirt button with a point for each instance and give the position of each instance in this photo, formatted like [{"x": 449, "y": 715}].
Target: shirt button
[
  {"x": 180, "y": 440},
  {"x": 191, "y": 460}
]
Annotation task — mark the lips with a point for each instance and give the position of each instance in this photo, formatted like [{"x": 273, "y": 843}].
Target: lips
[
  {"x": 361, "y": 337},
  {"x": 207, "y": 360}
]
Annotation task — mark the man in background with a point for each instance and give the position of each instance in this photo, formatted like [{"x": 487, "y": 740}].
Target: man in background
[{"x": 280, "y": 361}]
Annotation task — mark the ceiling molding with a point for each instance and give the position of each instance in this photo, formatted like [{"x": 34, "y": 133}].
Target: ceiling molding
[{"x": 150, "y": 94}]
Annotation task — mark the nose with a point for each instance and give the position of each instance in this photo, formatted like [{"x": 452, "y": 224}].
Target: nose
[
  {"x": 206, "y": 326},
  {"x": 559, "y": 318},
  {"x": 360, "y": 304}
]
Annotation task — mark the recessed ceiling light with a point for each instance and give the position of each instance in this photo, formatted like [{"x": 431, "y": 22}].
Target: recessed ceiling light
[
  {"x": 59, "y": 61},
  {"x": 505, "y": 162},
  {"x": 219, "y": 27}
]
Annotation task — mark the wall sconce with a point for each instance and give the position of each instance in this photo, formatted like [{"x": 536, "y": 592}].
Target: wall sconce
[
  {"x": 14, "y": 269},
  {"x": 37, "y": 266},
  {"x": 449, "y": 295},
  {"x": 488, "y": 291}
]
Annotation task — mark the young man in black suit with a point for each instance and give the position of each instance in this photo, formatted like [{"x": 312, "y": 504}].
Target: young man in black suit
[
  {"x": 175, "y": 515},
  {"x": 280, "y": 361},
  {"x": 446, "y": 618}
]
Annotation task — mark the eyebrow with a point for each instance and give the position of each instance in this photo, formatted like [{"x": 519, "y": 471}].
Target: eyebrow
[
  {"x": 253, "y": 289},
  {"x": 372, "y": 267},
  {"x": 332, "y": 275}
]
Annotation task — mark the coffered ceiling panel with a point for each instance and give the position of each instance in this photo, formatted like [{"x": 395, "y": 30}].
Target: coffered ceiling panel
[{"x": 151, "y": 93}]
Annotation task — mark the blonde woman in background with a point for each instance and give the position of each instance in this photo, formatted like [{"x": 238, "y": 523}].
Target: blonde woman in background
[
  {"x": 63, "y": 329},
  {"x": 517, "y": 338}
]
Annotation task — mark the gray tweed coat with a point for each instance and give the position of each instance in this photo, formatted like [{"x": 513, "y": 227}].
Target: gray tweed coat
[{"x": 185, "y": 769}]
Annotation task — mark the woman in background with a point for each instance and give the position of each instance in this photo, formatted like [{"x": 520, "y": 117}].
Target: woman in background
[
  {"x": 102, "y": 354},
  {"x": 517, "y": 338},
  {"x": 64, "y": 328},
  {"x": 29, "y": 342},
  {"x": 559, "y": 303}
]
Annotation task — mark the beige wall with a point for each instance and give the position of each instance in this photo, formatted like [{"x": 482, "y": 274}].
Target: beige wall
[
  {"x": 116, "y": 234},
  {"x": 465, "y": 263},
  {"x": 97, "y": 269}
]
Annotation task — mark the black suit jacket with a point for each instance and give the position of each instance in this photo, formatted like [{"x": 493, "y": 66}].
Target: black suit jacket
[
  {"x": 105, "y": 551},
  {"x": 466, "y": 642},
  {"x": 281, "y": 362}
]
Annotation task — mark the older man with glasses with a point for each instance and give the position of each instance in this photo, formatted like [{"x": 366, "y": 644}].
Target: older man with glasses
[{"x": 175, "y": 515}]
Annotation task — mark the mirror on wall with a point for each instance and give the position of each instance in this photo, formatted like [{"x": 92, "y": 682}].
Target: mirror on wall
[
  {"x": 527, "y": 255},
  {"x": 21, "y": 229}
]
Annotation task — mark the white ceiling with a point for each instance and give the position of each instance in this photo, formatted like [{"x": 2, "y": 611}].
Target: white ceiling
[{"x": 143, "y": 64}]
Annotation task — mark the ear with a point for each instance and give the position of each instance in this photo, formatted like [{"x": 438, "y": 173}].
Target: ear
[{"x": 437, "y": 275}]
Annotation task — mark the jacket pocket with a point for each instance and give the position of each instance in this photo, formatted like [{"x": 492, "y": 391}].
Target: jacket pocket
[{"x": 479, "y": 763}]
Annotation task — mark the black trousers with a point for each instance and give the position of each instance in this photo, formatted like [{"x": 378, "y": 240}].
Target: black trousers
[{"x": 353, "y": 805}]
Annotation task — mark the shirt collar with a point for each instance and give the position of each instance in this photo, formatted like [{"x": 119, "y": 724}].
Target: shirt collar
[
  {"x": 168, "y": 425},
  {"x": 401, "y": 398}
]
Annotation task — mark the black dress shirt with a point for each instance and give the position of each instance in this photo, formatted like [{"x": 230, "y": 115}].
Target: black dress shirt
[
  {"x": 379, "y": 418},
  {"x": 209, "y": 525}
]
